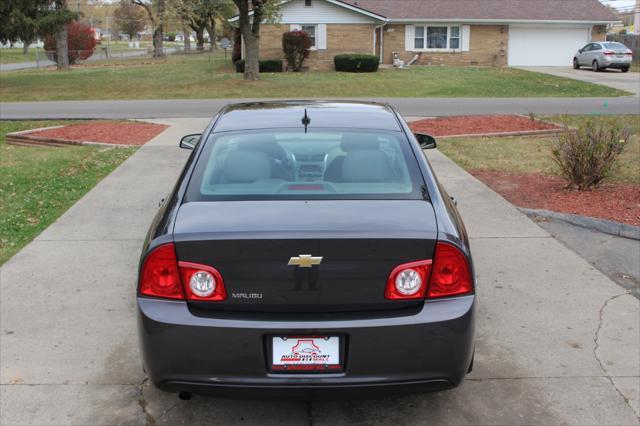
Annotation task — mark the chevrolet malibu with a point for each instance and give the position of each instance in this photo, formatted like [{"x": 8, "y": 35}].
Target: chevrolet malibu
[{"x": 307, "y": 251}]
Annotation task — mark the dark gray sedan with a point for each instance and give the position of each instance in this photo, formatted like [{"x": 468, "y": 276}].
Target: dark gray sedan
[{"x": 307, "y": 251}]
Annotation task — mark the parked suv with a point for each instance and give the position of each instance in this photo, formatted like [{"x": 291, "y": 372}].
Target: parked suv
[{"x": 602, "y": 55}]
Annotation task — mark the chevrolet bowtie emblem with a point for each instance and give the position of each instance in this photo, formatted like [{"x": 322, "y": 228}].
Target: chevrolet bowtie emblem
[{"x": 305, "y": 261}]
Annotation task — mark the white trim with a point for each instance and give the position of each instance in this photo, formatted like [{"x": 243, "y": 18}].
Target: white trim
[
  {"x": 498, "y": 21},
  {"x": 465, "y": 38},
  {"x": 357, "y": 9},
  {"x": 321, "y": 36},
  {"x": 334, "y": 2}
]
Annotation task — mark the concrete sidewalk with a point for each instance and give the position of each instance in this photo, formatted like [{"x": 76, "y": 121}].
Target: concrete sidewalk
[{"x": 557, "y": 341}]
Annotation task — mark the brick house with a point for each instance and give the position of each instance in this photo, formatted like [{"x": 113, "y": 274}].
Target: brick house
[{"x": 451, "y": 32}]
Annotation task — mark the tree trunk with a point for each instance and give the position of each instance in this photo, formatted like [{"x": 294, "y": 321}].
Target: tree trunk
[
  {"x": 252, "y": 55},
  {"x": 200, "y": 39},
  {"x": 211, "y": 28},
  {"x": 62, "y": 49},
  {"x": 187, "y": 39},
  {"x": 25, "y": 48},
  {"x": 158, "y": 42}
]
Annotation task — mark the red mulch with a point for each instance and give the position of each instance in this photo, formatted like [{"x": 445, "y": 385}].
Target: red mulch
[
  {"x": 115, "y": 132},
  {"x": 479, "y": 124},
  {"x": 617, "y": 202}
]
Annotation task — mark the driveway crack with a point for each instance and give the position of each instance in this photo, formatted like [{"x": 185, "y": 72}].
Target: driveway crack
[
  {"x": 596, "y": 345},
  {"x": 149, "y": 420}
]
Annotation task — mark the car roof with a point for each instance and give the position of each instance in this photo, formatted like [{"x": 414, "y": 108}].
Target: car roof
[{"x": 320, "y": 114}]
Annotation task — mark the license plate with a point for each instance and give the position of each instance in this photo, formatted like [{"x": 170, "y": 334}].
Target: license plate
[
  {"x": 306, "y": 354},
  {"x": 620, "y": 56}
]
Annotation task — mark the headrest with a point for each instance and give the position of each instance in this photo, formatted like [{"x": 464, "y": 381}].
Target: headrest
[
  {"x": 246, "y": 165},
  {"x": 366, "y": 166},
  {"x": 359, "y": 141}
]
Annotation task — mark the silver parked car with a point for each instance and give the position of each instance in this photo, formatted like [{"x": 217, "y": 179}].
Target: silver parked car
[{"x": 601, "y": 55}]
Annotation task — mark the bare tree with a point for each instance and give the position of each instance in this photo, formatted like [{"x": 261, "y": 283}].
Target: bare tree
[
  {"x": 129, "y": 18},
  {"x": 156, "y": 11}
]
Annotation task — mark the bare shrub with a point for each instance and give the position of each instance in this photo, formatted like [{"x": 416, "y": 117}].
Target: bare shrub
[{"x": 589, "y": 154}]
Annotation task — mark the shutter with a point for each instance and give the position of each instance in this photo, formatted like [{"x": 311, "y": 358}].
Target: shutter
[
  {"x": 466, "y": 35},
  {"x": 295, "y": 27},
  {"x": 321, "y": 37},
  {"x": 409, "y": 37}
]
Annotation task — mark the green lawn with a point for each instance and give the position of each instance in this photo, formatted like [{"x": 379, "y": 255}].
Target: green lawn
[
  {"x": 528, "y": 155},
  {"x": 196, "y": 76},
  {"x": 12, "y": 55},
  {"x": 39, "y": 183}
]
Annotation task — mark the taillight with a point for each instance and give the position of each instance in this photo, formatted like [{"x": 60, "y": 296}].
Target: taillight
[
  {"x": 450, "y": 274},
  {"x": 608, "y": 52},
  {"x": 160, "y": 277},
  {"x": 408, "y": 281},
  {"x": 164, "y": 277},
  {"x": 202, "y": 282},
  {"x": 629, "y": 53}
]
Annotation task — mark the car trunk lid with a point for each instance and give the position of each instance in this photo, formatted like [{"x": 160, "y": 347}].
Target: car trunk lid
[{"x": 305, "y": 256}]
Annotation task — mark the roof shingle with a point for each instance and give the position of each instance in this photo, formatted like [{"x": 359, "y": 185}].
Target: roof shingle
[{"x": 525, "y": 10}]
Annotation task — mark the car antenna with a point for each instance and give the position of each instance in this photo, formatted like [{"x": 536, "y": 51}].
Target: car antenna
[{"x": 306, "y": 120}]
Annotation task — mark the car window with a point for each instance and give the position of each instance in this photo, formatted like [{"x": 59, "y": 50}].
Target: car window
[
  {"x": 614, "y": 45},
  {"x": 596, "y": 46},
  {"x": 587, "y": 48},
  {"x": 294, "y": 164}
]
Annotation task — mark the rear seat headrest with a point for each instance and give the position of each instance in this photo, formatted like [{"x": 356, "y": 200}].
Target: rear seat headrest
[{"x": 359, "y": 141}]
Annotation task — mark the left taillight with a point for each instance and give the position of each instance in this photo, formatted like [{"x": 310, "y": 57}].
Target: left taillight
[
  {"x": 160, "y": 276},
  {"x": 164, "y": 277}
]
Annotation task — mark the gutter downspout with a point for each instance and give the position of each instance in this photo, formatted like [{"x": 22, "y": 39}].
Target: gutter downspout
[{"x": 380, "y": 27}]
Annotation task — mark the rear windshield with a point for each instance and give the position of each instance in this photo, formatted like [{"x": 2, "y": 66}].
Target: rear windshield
[
  {"x": 617, "y": 46},
  {"x": 292, "y": 164}
]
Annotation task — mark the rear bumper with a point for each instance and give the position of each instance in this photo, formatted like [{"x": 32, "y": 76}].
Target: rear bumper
[
  {"x": 620, "y": 63},
  {"x": 227, "y": 355}
]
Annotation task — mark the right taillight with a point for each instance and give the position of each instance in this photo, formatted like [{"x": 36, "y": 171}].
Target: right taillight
[
  {"x": 450, "y": 273},
  {"x": 160, "y": 276}
]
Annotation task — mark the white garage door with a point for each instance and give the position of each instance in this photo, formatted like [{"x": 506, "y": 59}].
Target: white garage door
[{"x": 545, "y": 46}]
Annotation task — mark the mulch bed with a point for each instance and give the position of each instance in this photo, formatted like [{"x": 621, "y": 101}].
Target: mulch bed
[
  {"x": 481, "y": 125},
  {"x": 616, "y": 202},
  {"x": 108, "y": 132}
]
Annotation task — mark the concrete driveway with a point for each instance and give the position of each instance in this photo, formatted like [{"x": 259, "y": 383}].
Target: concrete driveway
[
  {"x": 557, "y": 341},
  {"x": 629, "y": 82}
]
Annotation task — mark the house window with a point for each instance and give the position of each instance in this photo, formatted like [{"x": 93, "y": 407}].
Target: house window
[
  {"x": 311, "y": 30},
  {"x": 419, "y": 38},
  {"x": 307, "y": 3},
  {"x": 437, "y": 37},
  {"x": 454, "y": 37}
]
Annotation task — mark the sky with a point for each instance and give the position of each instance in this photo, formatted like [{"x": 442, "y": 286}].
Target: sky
[{"x": 619, "y": 3}]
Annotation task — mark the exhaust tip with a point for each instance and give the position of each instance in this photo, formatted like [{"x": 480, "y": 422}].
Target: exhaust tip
[{"x": 185, "y": 396}]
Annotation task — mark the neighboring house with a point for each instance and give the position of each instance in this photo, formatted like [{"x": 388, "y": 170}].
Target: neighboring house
[{"x": 450, "y": 32}]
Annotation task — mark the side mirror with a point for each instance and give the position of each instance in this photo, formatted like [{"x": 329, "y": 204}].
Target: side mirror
[
  {"x": 189, "y": 141},
  {"x": 426, "y": 141}
]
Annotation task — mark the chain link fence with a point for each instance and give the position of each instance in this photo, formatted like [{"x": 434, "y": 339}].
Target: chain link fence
[{"x": 45, "y": 58}]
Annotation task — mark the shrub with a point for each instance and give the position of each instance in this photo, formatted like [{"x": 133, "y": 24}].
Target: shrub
[
  {"x": 296, "y": 45},
  {"x": 267, "y": 65},
  {"x": 81, "y": 41},
  {"x": 355, "y": 62},
  {"x": 589, "y": 154}
]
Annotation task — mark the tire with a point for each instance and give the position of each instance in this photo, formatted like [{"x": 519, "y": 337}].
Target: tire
[
  {"x": 625, "y": 69},
  {"x": 576, "y": 65},
  {"x": 595, "y": 66}
]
